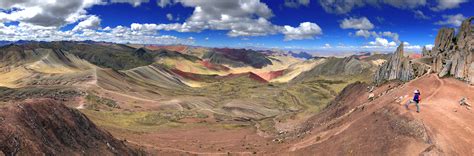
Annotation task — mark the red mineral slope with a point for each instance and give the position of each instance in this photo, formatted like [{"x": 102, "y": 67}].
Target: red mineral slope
[
  {"x": 270, "y": 75},
  {"x": 250, "y": 75},
  {"x": 45, "y": 127},
  {"x": 212, "y": 66},
  {"x": 415, "y": 56},
  {"x": 186, "y": 75},
  {"x": 354, "y": 125}
]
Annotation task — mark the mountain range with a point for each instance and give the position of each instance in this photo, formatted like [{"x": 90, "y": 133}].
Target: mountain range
[{"x": 100, "y": 98}]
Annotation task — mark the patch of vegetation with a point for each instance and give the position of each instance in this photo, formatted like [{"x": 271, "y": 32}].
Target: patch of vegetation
[
  {"x": 267, "y": 125},
  {"x": 95, "y": 102},
  {"x": 158, "y": 118},
  {"x": 142, "y": 121},
  {"x": 52, "y": 92}
]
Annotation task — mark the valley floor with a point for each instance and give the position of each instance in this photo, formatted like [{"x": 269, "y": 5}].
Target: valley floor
[{"x": 352, "y": 124}]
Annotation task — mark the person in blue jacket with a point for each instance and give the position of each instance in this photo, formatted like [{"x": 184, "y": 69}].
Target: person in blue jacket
[{"x": 416, "y": 100}]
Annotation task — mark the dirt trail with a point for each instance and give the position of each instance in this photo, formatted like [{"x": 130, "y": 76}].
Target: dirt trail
[{"x": 450, "y": 123}]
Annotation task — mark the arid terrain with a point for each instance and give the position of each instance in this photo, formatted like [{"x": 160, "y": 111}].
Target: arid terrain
[{"x": 101, "y": 98}]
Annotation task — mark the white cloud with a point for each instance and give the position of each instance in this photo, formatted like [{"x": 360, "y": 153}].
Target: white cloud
[
  {"x": 420, "y": 15},
  {"x": 327, "y": 46},
  {"x": 119, "y": 34},
  {"x": 296, "y": 3},
  {"x": 413, "y": 47},
  {"x": 169, "y": 16},
  {"x": 429, "y": 46},
  {"x": 405, "y": 4},
  {"x": 163, "y": 3},
  {"x": 45, "y": 13},
  {"x": 382, "y": 42},
  {"x": 135, "y": 3},
  {"x": 454, "y": 20},
  {"x": 92, "y": 22},
  {"x": 340, "y": 6},
  {"x": 345, "y": 6},
  {"x": 306, "y": 30},
  {"x": 363, "y": 33},
  {"x": 447, "y": 4},
  {"x": 240, "y": 18},
  {"x": 43, "y": 20},
  {"x": 356, "y": 23},
  {"x": 394, "y": 36},
  {"x": 386, "y": 45},
  {"x": 374, "y": 34}
]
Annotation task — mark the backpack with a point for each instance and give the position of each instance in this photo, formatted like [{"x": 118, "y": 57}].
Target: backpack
[{"x": 417, "y": 97}]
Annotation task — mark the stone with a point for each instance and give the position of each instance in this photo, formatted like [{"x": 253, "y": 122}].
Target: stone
[
  {"x": 425, "y": 52},
  {"x": 371, "y": 96},
  {"x": 455, "y": 58},
  {"x": 471, "y": 74},
  {"x": 451, "y": 55},
  {"x": 443, "y": 40},
  {"x": 446, "y": 69},
  {"x": 399, "y": 67},
  {"x": 463, "y": 102}
]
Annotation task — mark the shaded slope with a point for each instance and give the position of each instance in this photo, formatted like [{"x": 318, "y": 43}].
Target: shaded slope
[
  {"x": 44, "y": 127},
  {"x": 114, "y": 56},
  {"x": 301, "y": 55},
  {"x": 348, "y": 66},
  {"x": 237, "y": 57}
]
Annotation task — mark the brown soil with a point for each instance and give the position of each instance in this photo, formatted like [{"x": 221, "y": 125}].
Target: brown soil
[
  {"x": 354, "y": 125},
  {"x": 351, "y": 125},
  {"x": 45, "y": 127}
]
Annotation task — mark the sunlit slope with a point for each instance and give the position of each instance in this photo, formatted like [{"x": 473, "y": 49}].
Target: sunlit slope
[{"x": 26, "y": 67}]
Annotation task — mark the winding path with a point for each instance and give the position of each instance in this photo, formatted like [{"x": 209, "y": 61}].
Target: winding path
[{"x": 450, "y": 124}]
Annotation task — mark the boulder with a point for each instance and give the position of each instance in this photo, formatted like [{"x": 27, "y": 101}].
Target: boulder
[
  {"x": 445, "y": 70},
  {"x": 443, "y": 40}
]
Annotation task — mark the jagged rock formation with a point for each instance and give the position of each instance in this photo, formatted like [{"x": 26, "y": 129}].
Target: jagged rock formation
[
  {"x": 399, "y": 67},
  {"x": 425, "y": 52},
  {"x": 453, "y": 55}
]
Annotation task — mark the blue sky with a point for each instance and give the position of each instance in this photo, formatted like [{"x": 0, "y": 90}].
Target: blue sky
[{"x": 312, "y": 25}]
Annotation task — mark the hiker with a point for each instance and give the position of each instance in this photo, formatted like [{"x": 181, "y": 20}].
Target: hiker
[{"x": 416, "y": 99}]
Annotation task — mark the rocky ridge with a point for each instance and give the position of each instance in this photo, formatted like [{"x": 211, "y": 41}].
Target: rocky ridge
[
  {"x": 452, "y": 55},
  {"x": 400, "y": 67}
]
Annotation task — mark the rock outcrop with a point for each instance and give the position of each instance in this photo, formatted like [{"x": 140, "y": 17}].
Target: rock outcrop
[
  {"x": 425, "y": 52},
  {"x": 453, "y": 55},
  {"x": 399, "y": 67}
]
